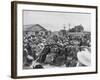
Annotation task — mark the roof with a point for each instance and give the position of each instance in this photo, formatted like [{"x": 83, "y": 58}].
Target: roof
[
  {"x": 79, "y": 33},
  {"x": 34, "y": 27}
]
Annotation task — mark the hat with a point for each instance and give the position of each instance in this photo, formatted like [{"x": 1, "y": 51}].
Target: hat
[
  {"x": 30, "y": 57},
  {"x": 37, "y": 66},
  {"x": 84, "y": 57}
]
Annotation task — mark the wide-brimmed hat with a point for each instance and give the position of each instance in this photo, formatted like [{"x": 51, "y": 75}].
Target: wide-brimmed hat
[
  {"x": 84, "y": 57},
  {"x": 30, "y": 57}
]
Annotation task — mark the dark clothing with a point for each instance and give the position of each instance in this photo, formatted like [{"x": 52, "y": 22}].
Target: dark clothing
[{"x": 43, "y": 54}]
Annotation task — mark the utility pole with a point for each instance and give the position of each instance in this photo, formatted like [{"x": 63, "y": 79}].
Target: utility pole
[
  {"x": 69, "y": 25},
  {"x": 64, "y": 27}
]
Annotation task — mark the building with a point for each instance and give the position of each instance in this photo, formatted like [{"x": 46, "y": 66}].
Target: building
[
  {"x": 78, "y": 33},
  {"x": 35, "y": 29}
]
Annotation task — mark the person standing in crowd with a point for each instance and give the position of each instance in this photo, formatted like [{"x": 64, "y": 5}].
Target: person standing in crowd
[
  {"x": 44, "y": 53},
  {"x": 29, "y": 56}
]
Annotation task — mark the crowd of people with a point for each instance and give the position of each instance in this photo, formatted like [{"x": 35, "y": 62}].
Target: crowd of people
[{"x": 53, "y": 50}]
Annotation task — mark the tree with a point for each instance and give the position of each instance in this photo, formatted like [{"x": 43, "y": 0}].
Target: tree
[{"x": 78, "y": 28}]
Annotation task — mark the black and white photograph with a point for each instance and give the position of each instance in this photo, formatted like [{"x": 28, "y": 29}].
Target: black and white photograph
[
  {"x": 56, "y": 39},
  {"x": 53, "y": 39}
]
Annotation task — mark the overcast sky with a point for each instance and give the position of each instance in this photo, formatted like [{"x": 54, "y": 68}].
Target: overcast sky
[{"x": 55, "y": 21}]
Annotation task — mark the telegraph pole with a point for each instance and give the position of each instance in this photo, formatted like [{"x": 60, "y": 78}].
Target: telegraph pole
[
  {"x": 69, "y": 25},
  {"x": 64, "y": 27}
]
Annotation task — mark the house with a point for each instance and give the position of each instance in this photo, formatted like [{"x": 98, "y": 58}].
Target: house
[{"x": 35, "y": 29}]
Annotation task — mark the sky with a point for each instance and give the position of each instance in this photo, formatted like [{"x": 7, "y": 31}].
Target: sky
[{"x": 56, "y": 21}]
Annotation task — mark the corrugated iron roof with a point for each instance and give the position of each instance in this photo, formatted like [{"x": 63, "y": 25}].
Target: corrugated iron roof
[{"x": 34, "y": 27}]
